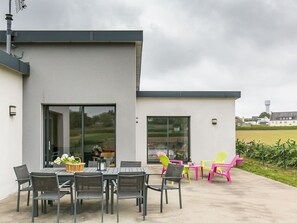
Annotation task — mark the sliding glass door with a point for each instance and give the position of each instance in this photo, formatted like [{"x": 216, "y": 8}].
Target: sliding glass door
[
  {"x": 75, "y": 130},
  {"x": 169, "y": 135}
]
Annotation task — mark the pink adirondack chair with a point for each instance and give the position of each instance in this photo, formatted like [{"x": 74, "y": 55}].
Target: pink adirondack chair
[{"x": 224, "y": 169}]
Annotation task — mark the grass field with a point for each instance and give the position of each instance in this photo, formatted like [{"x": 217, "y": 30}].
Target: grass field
[
  {"x": 287, "y": 176},
  {"x": 266, "y": 136}
]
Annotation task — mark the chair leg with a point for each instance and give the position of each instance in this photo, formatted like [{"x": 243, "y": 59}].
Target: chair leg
[
  {"x": 180, "y": 198},
  {"x": 139, "y": 204},
  {"x": 75, "y": 203},
  {"x": 58, "y": 211},
  {"x": 102, "y": 209},
  {"x": 166, "y": 196},
  {"x": 18, "y": 200},
  {"x": 228, "y": 178},
  {"x": 145, "y": 202},
  {"x": 210, "y": 176},
  {"x": 117, "y": 210},
  {"x": 161, "y": 202},
  {"x": 33, "y": 213},
  {"x": 28, "y": 198}
]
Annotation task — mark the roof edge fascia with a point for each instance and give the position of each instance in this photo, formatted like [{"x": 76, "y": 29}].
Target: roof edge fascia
[
  {"x": 189, "y": 94},
  {"x": 14, "y": 64}
]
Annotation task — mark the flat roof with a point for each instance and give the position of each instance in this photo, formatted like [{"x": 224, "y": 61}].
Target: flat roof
[
  {"x": 78, "y": 36},
  {"x": 13, "y": 63},
  {"x": 189, "y": 94}
]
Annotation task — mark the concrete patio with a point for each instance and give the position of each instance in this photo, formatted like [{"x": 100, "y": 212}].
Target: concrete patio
[{"x": 250, "y": 198}]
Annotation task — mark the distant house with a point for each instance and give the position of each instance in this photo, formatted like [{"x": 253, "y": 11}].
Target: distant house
[
  {"x": 283, "y": 119},
  {"x": 263, "y": 121}
]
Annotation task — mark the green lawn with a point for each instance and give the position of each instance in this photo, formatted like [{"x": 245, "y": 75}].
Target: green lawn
[{"x": 287, "y": 176}]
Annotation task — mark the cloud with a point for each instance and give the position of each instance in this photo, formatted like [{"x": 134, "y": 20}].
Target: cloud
[{"x": 245, "y": 45}]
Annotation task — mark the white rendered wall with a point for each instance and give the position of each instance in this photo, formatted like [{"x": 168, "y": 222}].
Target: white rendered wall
[
  {"x": 10, "y": 129},
  {"x": 205, "y": 139},
  {"x": 73, "y": 74}
]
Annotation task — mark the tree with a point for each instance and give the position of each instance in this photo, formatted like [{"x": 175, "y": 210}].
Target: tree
[{"x": 264, "y": 114}]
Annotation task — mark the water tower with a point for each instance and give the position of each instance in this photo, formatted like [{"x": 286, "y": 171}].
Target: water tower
[{"x": 267, "y": 106}]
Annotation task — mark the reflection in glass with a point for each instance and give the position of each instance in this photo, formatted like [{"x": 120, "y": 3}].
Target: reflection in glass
[
  {"x": 68, "y": 131},
  {"x": 169, "y": 135}
]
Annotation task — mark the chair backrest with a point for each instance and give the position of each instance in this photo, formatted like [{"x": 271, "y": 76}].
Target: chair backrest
[
  {"x": 92, "y": 163},
  {"x": 230, "y": 165},
  {"x": 131, "y": 181},
  {"x": 89, "y": 182},
  {"x": 22, "y": 174},
  {"x": 233, "y": 162},
  {"x": 220, "y": 157},
  {"x": 45, "y": 182},
  {"x": 175, "y": 171},
  {"x": 164, "y": 160},
  {"x": 130, "y": 163}
]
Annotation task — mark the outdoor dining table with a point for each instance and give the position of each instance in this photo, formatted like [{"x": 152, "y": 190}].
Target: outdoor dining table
[{"x": 111, "y": 173}]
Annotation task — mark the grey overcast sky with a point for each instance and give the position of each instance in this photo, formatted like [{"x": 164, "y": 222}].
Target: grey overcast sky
[{"x": 193, "y": 45}]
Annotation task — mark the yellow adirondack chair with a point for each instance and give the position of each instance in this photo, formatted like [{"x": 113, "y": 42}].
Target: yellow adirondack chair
[
  {"x": 220, "y": 158},
  {"x": 165, "y": 161}
]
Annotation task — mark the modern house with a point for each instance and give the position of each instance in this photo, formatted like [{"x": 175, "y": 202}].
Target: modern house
[
  {"x": 283, "y": 119},
  {"x": 72, "y": 90}
]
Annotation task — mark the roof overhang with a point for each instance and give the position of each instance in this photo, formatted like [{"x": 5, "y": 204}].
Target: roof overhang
[
  {"x": 50, "y": 36},
  {"x": 190, "y": 94},
  {"x": 14, "y": 64}
]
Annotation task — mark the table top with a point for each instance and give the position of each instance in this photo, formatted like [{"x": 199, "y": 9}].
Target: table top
[
  {"x": 193, "y": 166},
  {"x": 109, "y": 171}
]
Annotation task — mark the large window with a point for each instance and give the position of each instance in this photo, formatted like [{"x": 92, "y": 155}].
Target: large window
[
  {"x": 75, "y": 130},
  {"x": 169, "y": 135}
]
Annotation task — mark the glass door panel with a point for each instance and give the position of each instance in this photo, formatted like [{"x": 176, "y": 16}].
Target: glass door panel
[
  {"x": 156, "y": 137},
  {"x": 178, "y": 138},
  {"x": 99, "y": 130},
  {"x": 74, "y": 141}
]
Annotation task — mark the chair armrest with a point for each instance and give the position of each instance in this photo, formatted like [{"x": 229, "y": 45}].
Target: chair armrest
[
  {"x": 23, "y": 179},
  {"x": 221, "y": 164},
  {"x": 64, "y": 184}
]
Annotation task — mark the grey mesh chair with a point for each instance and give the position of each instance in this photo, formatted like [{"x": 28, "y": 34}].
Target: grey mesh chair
[
  {"x": 88, "y": 185},
  {"x": 130, "y": 163},
  {"x": 131, "y": 185},
  {"x": 24, "y": 182},
  {"x": 173, "y": 174},
  {"x": 93, "y": 163},
  {"x": 46, "y": 188}
]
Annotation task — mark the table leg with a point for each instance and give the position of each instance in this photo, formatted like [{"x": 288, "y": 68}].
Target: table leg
[
  {"x": 196, "y": 171},
  {"x": 202, "y": 172},
  {"x": 107, "y": 195},
  {"x": 111, "y": 198}
]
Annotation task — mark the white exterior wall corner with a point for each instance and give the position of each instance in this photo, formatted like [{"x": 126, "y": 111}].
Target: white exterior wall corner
[
  {"x": 205, "y": 139},
  {"x": 11, "y": 93},
  {"x": 79, "y": 74}
]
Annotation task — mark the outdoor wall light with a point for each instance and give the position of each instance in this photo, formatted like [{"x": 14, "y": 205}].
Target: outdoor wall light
[
  {"x": 12, "y": 110},
  {"x": 214, "y": 121}
]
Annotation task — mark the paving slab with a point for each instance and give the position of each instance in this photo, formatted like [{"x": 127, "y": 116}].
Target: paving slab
[{"x": 250, "y": 198}]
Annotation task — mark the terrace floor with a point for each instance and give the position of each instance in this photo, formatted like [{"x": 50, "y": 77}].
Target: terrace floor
[{"x": 250, "y": 198}]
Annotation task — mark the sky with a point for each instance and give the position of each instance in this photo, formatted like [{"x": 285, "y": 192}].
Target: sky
[{"x": 193, "y": 45}]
